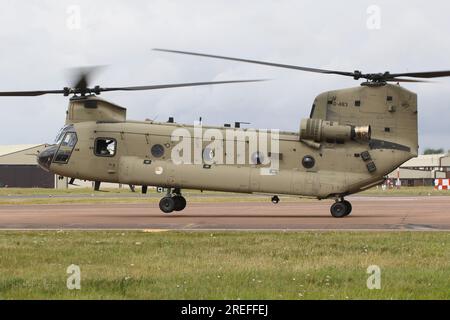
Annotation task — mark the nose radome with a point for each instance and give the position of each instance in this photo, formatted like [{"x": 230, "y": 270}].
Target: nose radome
[{"x": 45, "y": 157}]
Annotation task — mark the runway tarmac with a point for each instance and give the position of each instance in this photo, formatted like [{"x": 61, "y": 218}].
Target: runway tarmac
[{"x": 369, "y": 213}]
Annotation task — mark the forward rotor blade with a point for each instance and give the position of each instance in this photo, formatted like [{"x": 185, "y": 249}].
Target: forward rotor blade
[
  {"x": 29, "y": 93},
  {"x": 426, "y": 74},
  {"x": 279, "y": 65},
  {"x": 176, "y": 85},
  {"x": 98, "y": 90},
  {"x": 82, "y": 76}
]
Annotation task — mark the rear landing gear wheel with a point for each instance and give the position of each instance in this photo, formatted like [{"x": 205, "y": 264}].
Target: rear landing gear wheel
[
  {"x": 180, "y": 203},
  {"x": 349, "y": 207},
  {"x": 167, "y": 204},
  {"x": 339, "y": 209}
]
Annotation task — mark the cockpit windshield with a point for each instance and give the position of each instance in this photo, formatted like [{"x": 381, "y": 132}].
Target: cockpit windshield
[
  {"x": 66, "y": 141},
  {"x": 62, "y": 132}
]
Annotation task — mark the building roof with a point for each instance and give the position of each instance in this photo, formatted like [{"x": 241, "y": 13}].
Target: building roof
[
  {"x": 423, "y": 167},
  {"x": 24, "y": 154},
  {"x": 10, "y": 149},
  {"x": 422, "y": 161}
]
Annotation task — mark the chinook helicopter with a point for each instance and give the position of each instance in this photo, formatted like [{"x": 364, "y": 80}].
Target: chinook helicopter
[{"x": 353, "y": 138}]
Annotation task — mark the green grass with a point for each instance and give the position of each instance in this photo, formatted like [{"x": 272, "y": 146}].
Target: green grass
[
  {"x": 47, "y": 191},
  {"x": 14, "y": 196},
  {"x": 217, "y": 265},
  {"x": 27, "y": 196},
  {"x": 78, "y": 191},
  {"x": 406, "y": 191},
  {"x": 107, "y": 200}
]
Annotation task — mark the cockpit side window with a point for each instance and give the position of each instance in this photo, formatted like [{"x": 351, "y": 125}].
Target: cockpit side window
[
  {"x": 66, "y": 146},
  {"x": 105, "y": 147}
]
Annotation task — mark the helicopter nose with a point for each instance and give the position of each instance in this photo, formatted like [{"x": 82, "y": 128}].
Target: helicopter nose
[{"x": 45, "y": 157}]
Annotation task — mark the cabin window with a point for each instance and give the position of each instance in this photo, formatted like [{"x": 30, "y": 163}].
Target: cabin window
[
  {"x": 208, "y": 155},
  {"x": 308, "y": 162},
  {"x": 387, "y": 129},
  {"x": 157, "y": 151},
  {"x": 257, "y": 158},
  {"x": 105, "y": 147},
  {"x": 357, "y": 103}
]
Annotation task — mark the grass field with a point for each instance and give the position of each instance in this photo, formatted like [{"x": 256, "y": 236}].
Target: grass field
[
  {"x": 406, "y": 191},
  {"x": 233, "y": 265},
  {"x": 13, "y": 196}
]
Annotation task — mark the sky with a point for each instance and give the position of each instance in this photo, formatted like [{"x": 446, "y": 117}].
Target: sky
[{"x": 41, "y": 41}]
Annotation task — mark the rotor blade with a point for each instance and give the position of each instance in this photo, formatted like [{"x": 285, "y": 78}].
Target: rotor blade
[
  {"x": 82, "y": 76},
  {"x": 82, "y": 82},
  {"x": 406, "y": 80},
  {"x": 426, "y": 74},
  {"x": 342, "y": 73},
  {"x": 29, "y": 93},
  {"x": 176, "y": 85}
]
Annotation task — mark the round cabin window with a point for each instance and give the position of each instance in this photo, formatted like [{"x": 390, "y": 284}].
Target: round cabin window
[
  {"x": 257, "y": 158},
  {"x": 308, "y": 162},
  {"x": 157, "y": 151},
  {"x": 208, "y": 155}
]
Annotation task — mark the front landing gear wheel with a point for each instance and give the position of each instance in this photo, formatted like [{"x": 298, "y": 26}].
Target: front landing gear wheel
[
  {"x": 167, "y": 204},
  {"x": 180, "y": 203},
  {"x": 339, "y": 209},
  {"x": 275, "y": 199}
]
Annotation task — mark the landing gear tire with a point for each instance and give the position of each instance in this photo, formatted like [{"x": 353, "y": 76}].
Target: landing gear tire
[
  {"x": 339, "y": 209},
  {"x": 180, "y": 203},
  {"x": 167, "y": 204},
  {"x": 275, "y": 199},
  {"x": 349, "y": 207}
]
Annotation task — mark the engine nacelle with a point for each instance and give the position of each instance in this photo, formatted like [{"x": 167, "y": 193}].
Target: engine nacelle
[{"x": 319, "y": 130}]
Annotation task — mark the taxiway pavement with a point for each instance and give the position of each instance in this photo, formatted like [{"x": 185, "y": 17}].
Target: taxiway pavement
[{"x": 369, "y": 213}]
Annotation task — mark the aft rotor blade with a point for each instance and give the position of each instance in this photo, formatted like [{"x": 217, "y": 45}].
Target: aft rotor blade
[
  {"x": 29, "y": 93},
  {"x": 279, "y": 65},
  {"x": 426, "y": 74},
  {"x": 176, "y": 85}
]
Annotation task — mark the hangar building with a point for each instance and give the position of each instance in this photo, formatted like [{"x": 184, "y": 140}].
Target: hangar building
[
  {"x": 423, "y": 170},
  {"x": 18, "y": 168}
]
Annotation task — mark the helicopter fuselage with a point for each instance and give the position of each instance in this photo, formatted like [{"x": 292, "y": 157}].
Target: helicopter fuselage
[{"x": 329, "y": 157}]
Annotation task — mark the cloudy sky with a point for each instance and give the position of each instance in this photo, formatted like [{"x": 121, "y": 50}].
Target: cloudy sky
[{"x": 41, "y": 41}]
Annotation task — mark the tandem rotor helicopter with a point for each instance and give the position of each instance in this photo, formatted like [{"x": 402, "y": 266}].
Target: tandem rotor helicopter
[{"x": 353, "y": 138}]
